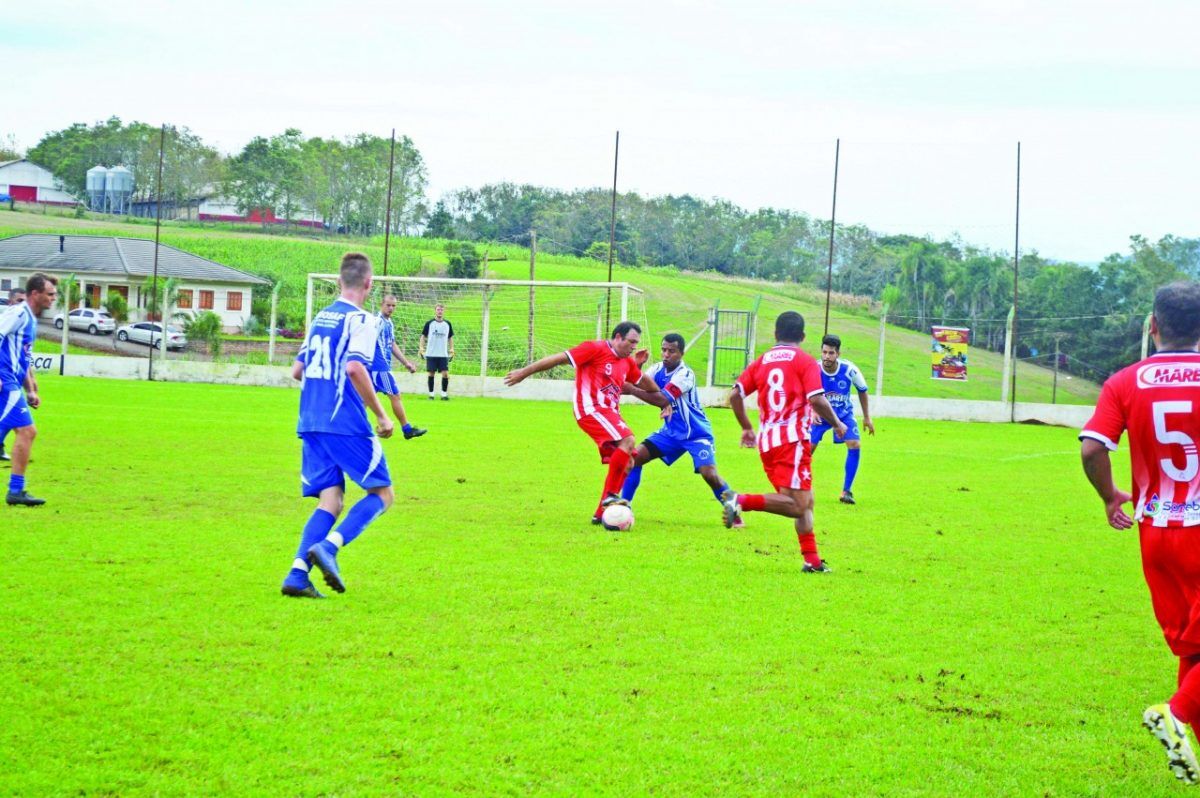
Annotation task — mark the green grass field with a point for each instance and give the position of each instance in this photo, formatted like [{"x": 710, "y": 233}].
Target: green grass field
[
  {"x": 984, "y": 632},
  {"x": 675, "y": 301}
]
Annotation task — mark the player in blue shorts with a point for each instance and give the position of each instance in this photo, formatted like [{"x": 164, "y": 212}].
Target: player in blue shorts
[
  {"x": 18, "y": 386},
  {"x": 686, "y": 431},
  {"x": 336, "y": 438},
  {"x": 381, "y": 367},
  {"x": 838, "y": 376}
]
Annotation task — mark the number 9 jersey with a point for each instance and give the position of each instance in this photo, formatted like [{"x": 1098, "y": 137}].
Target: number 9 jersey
[
  {"x": 1158, "y": 401},
  {"x": 784, "y": 377},
  {"x": 329, "y": 403}
]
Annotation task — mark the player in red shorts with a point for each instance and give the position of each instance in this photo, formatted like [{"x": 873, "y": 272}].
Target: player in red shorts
[
  {"x": 788, "y": 382},
  {"x": 601, "y": 370},
  {"x": 1158, "y": 401}
]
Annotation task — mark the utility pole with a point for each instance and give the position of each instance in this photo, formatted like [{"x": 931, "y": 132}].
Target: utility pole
[
  {"x": 612, "y": 235},
  {"x": 1054, "y": 391}
]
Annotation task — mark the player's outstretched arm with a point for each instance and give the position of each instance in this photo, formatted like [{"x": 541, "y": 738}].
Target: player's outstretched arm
[
  {"x": 647, "y": 390},
  {"x": 1098, "y": 467},
  {"x": 361, "y": 381},
  {"x": 737, "y": 404},
  {"x": 862, "y": 402},
  {"x": 550, "y": 361}
]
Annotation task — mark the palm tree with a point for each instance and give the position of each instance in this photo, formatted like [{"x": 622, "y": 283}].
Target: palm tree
[
  {"x": 168, "y": 289},
  {"x": 206, "y": 327}
]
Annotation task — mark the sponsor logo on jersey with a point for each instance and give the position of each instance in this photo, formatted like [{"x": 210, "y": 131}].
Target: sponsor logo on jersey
[
  {"x": 779, "y": 355},
  {"x": 1169, "y": 375},
  {"x": 1172, "y": 510}
]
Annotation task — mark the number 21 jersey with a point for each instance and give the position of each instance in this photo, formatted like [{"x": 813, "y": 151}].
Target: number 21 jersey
[
  {"x": 1158, "y": 401},
  {"x": 329, "y": 403},
  {"x": 785, "y": 378}
]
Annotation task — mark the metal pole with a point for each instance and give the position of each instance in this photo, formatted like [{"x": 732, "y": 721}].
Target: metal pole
[
  {"x": 532, "y": 270},
  {"x": 387, "y": 225},
  {"x": 1054, "y": 389},
  {"x": 1146, "y": 335},
  {"x": 1016, "y": 276},
  {"x": 274, "y": 317},
  {"x": 879, "y": 365},
  {"x": 832, "y": 227},
  {"x": 612, "y": 235},
  {"x": 484, "y": 336},
  {"x": 162, "y": 141}
]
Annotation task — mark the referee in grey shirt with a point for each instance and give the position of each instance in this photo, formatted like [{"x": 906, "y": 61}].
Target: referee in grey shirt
[{"x": 437, "y": 347}]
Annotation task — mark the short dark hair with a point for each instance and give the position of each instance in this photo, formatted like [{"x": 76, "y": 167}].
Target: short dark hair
[
  {"x": 832, "y": 340},
  {"x": 38, "y": 281},
  {"x": 789, "y": 326},
  {"x": 677, "y": 339},
  {"x": 622, "y": 329},
  {"x": 356, "y": 267},
  {"x": 1177, "y": 311},
  {"x": 12, "y": 295}
]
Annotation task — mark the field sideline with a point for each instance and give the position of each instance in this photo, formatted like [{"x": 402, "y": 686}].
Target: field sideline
[{"x": 984, "y": 633}]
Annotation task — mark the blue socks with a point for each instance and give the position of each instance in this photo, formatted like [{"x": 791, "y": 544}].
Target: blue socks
[
  {"x": 16, "y": 483},
  {"x": 632, "y": 480},
  {"x": 361, "y": 515},
  {"x": 407, "y": 428},
  {"x": 318, "y": 526},
  {"x": 718, "y": 491},
  {"x": 852, "y": 456}
]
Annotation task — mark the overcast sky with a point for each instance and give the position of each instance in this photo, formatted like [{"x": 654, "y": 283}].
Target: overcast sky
[{"x": 738, "y": 100}]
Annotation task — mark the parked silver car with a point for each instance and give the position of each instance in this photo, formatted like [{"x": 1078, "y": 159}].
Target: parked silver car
[
  {"x": 92, "y": 320},
  {"x": 150, "y": 333}
]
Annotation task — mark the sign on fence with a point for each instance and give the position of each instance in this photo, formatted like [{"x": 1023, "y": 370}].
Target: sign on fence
[{"x": 950, "y": 345}]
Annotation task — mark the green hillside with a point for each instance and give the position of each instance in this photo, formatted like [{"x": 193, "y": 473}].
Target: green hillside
[{"x": 675, "y": 301}]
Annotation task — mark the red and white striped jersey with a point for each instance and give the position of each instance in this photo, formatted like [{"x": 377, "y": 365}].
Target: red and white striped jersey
[
  {"x": 784, "y": 377},
  {"x": 600, "y": 376},
  {"x": 1158, "y": 401}
]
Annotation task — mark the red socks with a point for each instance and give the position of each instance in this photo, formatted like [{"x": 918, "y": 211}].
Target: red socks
[
  {"x": 616, "y": 471},
  {"x": 1185, "y": 704},
  {"x": 808, "y": 547},
  {"x": 752, "y": 501}
]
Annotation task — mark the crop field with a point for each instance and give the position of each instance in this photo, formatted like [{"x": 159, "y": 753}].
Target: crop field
[
  {"x": 675, "y": 301},
  {"x": 983, "y": 632}
]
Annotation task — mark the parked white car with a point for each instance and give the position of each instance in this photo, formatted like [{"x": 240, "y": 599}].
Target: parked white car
[
  {"x": 92, "y": 320},
  {"x": 150, "y": 333}
]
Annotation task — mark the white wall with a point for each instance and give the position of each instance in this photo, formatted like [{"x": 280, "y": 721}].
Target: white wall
[
  {"x": 549, "y": 390},
  {"x": 23, "y": 173}
]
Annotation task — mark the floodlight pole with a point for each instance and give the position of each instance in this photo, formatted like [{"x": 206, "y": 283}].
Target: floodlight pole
[
  {"x": 1016, "y": 276},
  {"x": 387, "y": 222},
  {"x": 162, "y": 141},
  {"x": 837, "y": 152},
  {"x": 612, "y": 236}
]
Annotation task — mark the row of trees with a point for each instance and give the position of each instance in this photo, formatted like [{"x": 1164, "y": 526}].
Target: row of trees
[{"x": 342, "y": 183}]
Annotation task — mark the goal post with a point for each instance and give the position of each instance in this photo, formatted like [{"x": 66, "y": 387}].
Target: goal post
[{"x": 499, "y": 325}]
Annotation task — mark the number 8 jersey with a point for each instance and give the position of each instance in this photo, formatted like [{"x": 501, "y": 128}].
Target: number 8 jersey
[
  {"x": 784, "y": 377},
  {"x": 329, "y": 403},
  {"x": 1158, "y": 401}
]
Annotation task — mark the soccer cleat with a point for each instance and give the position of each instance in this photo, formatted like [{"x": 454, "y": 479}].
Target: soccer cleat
[
  {"x": 415, "y": 432},
  {"x": 612, "y": 499},
  {"x": 23, "y": 499},
  {"x": 823, "y": 568},
  {"x": 596, "y": 520},
  {"x": 1159, "y": 721},
  {"x": 738, "y": 523},
  {"x": 847, "y": 497},
  {"x": 432, "y": 397},
  {"x": 5, "y": 456},
  {"x": 445, "y": 398},
  {"x": 730, "y": 509},
  {"x": 298, "y": 585},
  {"x": 319, "y": 555}
]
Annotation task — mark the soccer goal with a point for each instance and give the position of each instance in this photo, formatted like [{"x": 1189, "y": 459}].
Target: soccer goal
[{"x": 499, "y": 325}]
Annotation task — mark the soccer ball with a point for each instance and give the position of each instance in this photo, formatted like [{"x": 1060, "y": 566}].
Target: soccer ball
[{"x": 617, "y": 517}]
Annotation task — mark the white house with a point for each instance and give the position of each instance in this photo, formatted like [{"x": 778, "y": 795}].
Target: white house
[
  {"x": 105, "y": 266},
  {"x": 25, "y": 181}
]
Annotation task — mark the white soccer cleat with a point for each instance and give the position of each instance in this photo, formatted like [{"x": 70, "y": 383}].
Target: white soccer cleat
[
  {"x": 1174, "y": 737},
  {"x": 730, "y": 509}
]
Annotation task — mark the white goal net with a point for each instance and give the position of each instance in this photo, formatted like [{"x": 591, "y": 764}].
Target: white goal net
[{"x": 498, "y": 325}]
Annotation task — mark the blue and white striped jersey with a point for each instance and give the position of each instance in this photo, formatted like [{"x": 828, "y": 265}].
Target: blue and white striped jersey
[
  {"x": 383, "y": 344},
  {"x": 18, "y": 329},
  {"x": 339, "y": 334},
  {"x": 687, "y": 421},
  {"x": 837, "y": 386}
]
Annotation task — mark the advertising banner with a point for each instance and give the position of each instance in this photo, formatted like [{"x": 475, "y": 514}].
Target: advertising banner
[{"x": 950, "y": 345}]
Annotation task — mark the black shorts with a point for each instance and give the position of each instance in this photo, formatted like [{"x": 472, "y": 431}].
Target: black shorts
[{"x": 433, "y": 364}]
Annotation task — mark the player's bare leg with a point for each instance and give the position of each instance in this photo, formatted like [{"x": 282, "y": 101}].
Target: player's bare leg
[
  {"x": 22, "y": 446},
  {"x": 408, "y": 430},
  {"x": 790, "y": 503}
]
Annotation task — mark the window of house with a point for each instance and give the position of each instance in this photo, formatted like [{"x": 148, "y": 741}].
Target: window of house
[
  {"x": 185, "y": 298},
  {"x": 233, "y": 300},
  {"x": 206, "y": 300},
  {"x": 5, "y": 285}
]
